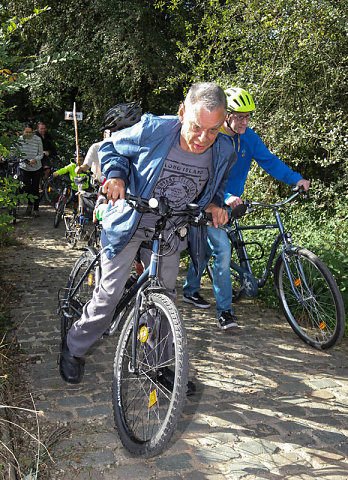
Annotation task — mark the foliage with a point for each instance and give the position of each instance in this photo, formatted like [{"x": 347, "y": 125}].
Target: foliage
[
  {"x": 292, "y": 57},
  {"x": 97, "y": 54}
]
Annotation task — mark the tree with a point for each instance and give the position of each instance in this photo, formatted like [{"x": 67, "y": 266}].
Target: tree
[{"x": 291, "y": 57}]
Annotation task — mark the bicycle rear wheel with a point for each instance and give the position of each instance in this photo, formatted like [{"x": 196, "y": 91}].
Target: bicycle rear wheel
[
  {"x": 146, "y": 412},
  {"x": 310, "y": 298},
  {"x": 86, "y": 278}
]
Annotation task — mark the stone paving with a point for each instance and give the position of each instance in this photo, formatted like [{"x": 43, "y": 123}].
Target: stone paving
[{"x": 267, "y": 405}]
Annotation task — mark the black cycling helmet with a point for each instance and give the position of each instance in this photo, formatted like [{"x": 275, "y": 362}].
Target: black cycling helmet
[{"x": 121, "y": 116}]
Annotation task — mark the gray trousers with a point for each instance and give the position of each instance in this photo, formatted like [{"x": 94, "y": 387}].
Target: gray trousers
[{"x": 98, "y": 312}]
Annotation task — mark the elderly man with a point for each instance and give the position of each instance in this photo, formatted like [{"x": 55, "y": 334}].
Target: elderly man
[{"x": 182, "y": 157}]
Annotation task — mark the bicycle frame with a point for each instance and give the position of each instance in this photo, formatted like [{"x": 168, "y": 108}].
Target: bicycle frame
[{"x": 236, "y": 237}]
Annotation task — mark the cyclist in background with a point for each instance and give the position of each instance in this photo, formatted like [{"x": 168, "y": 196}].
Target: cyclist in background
[
  {"x": 181, "y": 157},
  {"x": 116, "y": 118},
  {"x": 70, "y": 169},
  {"x": 248, "y": 146},
  {"x": 31, "y": 153}
]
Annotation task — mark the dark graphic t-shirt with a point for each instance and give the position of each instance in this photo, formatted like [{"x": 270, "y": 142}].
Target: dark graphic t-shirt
[{"x": 183, "y": 176}]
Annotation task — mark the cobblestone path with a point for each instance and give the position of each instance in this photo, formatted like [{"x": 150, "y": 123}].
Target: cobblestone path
[{"x": 267, "y": 406}]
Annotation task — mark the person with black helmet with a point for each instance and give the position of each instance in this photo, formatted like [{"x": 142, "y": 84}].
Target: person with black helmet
[
  {"x": 116, "y": 118},
  {"x": 248, "y": 146},
  {"x": 183, "y": 158}
]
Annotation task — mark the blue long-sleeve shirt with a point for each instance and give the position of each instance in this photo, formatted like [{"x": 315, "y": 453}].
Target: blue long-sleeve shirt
[{"x": 248, "y": 147}]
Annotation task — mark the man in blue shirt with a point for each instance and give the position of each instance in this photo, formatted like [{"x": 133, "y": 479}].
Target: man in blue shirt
[{"x": 248, "y": 146}]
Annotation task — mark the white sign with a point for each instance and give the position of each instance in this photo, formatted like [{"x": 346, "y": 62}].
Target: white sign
[{"x": 70, "y": 115}]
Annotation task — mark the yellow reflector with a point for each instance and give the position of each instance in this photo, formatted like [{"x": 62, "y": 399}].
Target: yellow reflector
[
  {"x": 322, "y": 325},
  {"x": 297, "y": 282},
  {"x": 152, "y": 398},
  {"x": 90, "y": 279},
  {"x": 143, "y": 334}
]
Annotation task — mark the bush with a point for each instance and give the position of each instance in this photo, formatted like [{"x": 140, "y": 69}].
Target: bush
[{"x": 10, "y": 198}]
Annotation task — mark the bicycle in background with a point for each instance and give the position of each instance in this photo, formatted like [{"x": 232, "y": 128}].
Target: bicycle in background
[
  {"x": 54, "y": 186},
  {"x": 77, "y": 222},
  {"x": 308, "y": 294}
]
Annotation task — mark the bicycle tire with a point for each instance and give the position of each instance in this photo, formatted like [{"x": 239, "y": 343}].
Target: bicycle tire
[
  {"x": 59, "y": 212},
  {"x": 145, "y": 412},
  {"x": 72, "y": 307},
  {"x": 54, "y": 187},
  {"x": 317, "y": 317}
]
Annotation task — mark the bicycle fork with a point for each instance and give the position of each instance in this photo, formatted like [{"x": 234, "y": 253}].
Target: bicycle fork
[{"x": 152, "y": 271}]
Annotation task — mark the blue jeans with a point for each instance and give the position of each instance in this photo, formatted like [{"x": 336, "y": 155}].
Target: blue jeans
[{"x": 219, "y": 247}]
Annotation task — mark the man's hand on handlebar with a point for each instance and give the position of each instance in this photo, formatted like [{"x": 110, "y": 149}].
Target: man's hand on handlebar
[
  {"x": 303, "y": 183},
  {"x": 115, "y": 189},
  {"x": 233, "y": 201},
  {"x": 220, "y": 216}
]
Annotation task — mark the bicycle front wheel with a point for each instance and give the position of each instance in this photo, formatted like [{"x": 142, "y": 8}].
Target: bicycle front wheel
[
  {"x": 59, "y": 211},
  {"x": 83, "y": 278},
  {"x": 146, "y": 411},
  {"x": 310, "y": 298}
]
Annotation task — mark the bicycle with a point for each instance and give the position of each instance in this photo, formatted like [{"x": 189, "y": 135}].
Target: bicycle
[
  {"x": 77, "y": 221},
  {"x": 11, "y": 170},
  {"x": 308, "y": 294},
  {"x": 152, "y": 336},
  {"x": 54, "y": 187}
]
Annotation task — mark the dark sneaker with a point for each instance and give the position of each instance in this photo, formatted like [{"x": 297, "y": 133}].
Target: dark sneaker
[
  {"x": 36, "y": 213},
  {"x": 227, "y": 320},
  {"x": 196, "y": 300}
]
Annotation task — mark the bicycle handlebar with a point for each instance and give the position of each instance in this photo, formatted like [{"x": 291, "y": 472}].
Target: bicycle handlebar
[
  {"x": 160, "y": 207},
  {"x": 298, "y": 190}
]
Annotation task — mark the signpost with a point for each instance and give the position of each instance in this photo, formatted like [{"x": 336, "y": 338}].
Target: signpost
[{"x": 75, "y": 116}]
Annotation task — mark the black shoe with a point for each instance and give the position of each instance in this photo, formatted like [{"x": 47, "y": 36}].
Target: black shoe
[
  {"x": 196, "y": 300},
  {"x": 166, "y": 379},
  {"x": 71, "y": 368},
  {"x": 227, "y": 320}
]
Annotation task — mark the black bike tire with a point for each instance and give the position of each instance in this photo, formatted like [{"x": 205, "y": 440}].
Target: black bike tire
[
  {"x": 157, "y": 441},
  {"x": 326, "y": 291},
  {"x": 47, "y": 185},
  {"x": 83, "y": 294},
  {"x": 59, "y": 212}
]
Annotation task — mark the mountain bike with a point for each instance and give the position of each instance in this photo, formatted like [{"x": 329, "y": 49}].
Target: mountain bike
[
  {"x": 308, "y": 294},
  {"x": 152, "y": 337}
]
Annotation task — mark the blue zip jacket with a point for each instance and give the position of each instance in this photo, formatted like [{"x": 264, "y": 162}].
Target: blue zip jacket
[
  {"x": 137, "y": 154},
  {"x": 249, "y": 146}
]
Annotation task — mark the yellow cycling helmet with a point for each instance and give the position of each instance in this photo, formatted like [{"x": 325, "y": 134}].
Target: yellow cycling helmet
[{"x": 238, "y": 100}]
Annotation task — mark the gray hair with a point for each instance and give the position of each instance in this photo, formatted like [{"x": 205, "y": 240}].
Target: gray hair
[{"x": 210, "y": 95}]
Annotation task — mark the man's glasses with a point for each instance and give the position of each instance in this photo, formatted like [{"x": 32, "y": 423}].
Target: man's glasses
[{"x": 241, "y": 118}]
